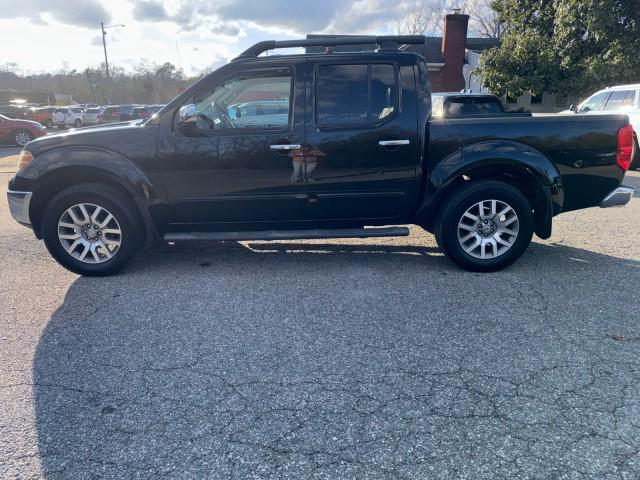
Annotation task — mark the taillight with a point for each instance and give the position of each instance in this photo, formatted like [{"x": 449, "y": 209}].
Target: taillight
[{"x": 625, "y": 147}]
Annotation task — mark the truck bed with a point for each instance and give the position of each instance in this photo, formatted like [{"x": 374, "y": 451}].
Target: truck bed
[{"x": 582, "y": 149}]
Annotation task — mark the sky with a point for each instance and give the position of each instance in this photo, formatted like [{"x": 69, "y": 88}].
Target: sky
[{"x": 195, "y": 35}]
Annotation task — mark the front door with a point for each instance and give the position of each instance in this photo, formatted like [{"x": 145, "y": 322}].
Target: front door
[
  {"x": 234, "y": 156},
  {"x": 363, "y": 152}
]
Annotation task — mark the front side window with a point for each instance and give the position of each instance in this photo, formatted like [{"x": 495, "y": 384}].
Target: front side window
[
  {"x": 595, "y": 103},
  {"x": 255, "y": 100},
  {"x": 355, "y": 94},
  {"x": 621, "y": 100}
]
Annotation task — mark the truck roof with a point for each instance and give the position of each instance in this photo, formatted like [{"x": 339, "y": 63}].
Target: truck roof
[{"x": 385, "y": 44}]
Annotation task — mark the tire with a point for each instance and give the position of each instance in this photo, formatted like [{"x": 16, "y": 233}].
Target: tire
[
  {"x": 22, "y": 137},
  {"x": 77, "y": 123},
  {"x": 452, "y": 229},
  {"x": 49, "y": 124},
  {"x": 105, "y": 256}
]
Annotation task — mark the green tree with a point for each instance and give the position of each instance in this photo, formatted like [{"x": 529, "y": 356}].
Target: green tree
[{"x": 563, "y": 46}]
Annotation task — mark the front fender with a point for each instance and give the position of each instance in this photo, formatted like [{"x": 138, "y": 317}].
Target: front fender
[{"x": 104, "y": 162}]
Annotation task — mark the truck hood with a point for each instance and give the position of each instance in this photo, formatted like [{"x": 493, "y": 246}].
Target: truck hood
[{"x": 111, "y": 136}]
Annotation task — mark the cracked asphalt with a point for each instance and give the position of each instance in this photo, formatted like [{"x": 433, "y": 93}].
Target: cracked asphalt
[{"x": 336, "y": 359}]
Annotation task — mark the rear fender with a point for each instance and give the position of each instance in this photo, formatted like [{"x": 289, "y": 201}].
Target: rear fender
[{"x": 513, "y": 162}]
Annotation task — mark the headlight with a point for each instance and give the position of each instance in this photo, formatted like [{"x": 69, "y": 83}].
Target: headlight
[{"x": 24, "y": 157}]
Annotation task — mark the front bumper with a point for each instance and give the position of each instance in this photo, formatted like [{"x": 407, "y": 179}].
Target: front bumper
[
  {"x": 617, "y": 198},
  {"x": 19, "y": 206}
]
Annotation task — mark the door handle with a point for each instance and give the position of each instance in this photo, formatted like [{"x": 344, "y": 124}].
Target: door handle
[
  {"x": 393, "y": 143},
  {"x": 288, "y": 146}
]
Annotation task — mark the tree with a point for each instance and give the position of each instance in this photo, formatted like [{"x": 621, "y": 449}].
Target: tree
[
  {"x": 427, "y": 17},
  {"x": 563, "y": 46}
]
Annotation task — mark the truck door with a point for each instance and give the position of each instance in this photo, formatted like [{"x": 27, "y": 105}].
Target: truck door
[
  {"x": 232, "y": 153},
  {"x": 363, "y": 153}
]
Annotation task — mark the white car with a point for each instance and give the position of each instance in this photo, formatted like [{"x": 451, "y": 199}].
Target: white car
[
  {"x": 92, "y": 115},
  {"x": 622, "y": 99},
  {"x": 68, "y": 116}
]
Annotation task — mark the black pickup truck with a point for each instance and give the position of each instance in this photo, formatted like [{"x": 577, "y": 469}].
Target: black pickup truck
[{"x": 316, "y": 145}]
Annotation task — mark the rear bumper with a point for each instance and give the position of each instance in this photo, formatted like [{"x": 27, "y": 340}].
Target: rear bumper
[
  {"x": 19, "y": 206},
  {"x": 617, "y": 198}
]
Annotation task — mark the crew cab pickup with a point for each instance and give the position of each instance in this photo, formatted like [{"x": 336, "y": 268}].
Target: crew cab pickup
[{"x": 353, "y": 153}]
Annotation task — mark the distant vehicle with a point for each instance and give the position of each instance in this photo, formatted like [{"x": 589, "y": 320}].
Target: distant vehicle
[
  {"x": 68, "y": 116},
  {"x": 92, "y": 116},
  {"x": 42, "y": 115},
  {"x": 110, "y": 114},
  {"x": 618, "y": 99},
  {"x": 261, "y": 112},
  {"x": 11, "y": 110},
  {"x": 125, "y": 112},
  {"x": 84, "y": 106},
  {"x": 117, "y": 113},
  {"x": 456, "y": 104},
  {"x": 143, "y": 112},
  {"x": 19, "y": 132}
]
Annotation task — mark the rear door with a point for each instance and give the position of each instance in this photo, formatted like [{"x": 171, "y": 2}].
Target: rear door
[{"x": 362, "y": 151}]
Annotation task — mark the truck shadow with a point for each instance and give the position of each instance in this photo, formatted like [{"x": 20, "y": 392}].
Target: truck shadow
[{"x": 236, "y": 360}]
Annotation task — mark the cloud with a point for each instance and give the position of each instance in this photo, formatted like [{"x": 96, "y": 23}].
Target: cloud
[
  {"x": 150, "y": 11},
  {"x": 79, "y": 13},
  {"x": 298, "y": 17},
  {"x": 226, "y": 29}
]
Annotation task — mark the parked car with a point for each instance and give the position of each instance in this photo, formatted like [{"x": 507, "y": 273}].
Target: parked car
[
  {"x": 144, "y": 112},
  {"x": 19, "y": 132},
  {"x": 356, "y": 152},
  {"x": 456, "y": 104},
  {"x": 117, "y": 113},
  {"x": 125, "y": 112},
  {"x": 620, "y": 99},
  {"x": 260, "y": 112},
  {"x": 92, "y": 115},
  {"x": 110, "y": 114},
  {"x": 68, "y": 116},
  {"x": 42, "y": 115},
  {"x": 12, "y": 110}
]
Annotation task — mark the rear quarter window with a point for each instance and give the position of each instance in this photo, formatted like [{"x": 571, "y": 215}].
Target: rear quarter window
[{"x": 358, "y": 94}]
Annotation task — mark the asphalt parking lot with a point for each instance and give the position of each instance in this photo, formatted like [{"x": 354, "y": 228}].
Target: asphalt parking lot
[{"x": 334, "y": 359}]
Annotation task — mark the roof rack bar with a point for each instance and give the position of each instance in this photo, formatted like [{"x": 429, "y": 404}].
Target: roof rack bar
[{"x": 381, "y": 41}]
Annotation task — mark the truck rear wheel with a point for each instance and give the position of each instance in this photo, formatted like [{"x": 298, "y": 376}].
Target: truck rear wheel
[
  {"x": 90, "y": 230},
  {"x": 485, "y": 226}
]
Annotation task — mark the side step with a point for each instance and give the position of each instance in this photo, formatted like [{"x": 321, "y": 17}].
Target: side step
[{"x": 290, "y": 234}]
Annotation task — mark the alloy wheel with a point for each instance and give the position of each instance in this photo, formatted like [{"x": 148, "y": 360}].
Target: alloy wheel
[
  {"x": 89, "y": 233},
  {"x": 22, "y": 138},
  {"x": 488, "y": 229}
]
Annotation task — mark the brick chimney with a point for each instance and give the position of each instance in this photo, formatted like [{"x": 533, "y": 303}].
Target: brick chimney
[{"x": 454, "y": 44}]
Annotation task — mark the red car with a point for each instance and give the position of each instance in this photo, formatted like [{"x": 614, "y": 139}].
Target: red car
[{"x": 19, "y": 132}]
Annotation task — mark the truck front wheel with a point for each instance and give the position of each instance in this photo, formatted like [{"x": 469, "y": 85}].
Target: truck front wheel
[
  {"x": 485, "y": 226},
  {"x": 90, "y": 230}
]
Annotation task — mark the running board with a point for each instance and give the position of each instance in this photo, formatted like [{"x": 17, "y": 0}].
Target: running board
[{"x": 289, "y": 234}]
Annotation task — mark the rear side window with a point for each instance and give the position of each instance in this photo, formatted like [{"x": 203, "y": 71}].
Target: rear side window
[
  {"x": 472, "y": 106},
  {"x": 620, "y": 100},
  {"x": 355, "y": 94}
]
